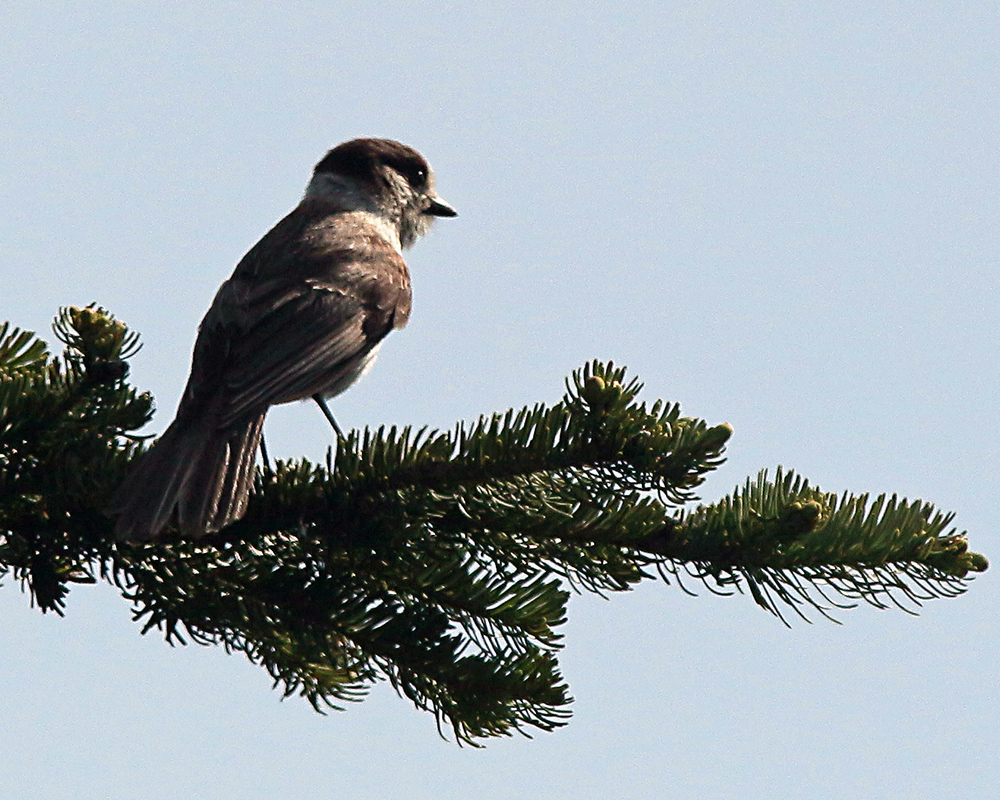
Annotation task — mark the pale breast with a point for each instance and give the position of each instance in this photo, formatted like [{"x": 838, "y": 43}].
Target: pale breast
[{"x": 350, "y": 372}]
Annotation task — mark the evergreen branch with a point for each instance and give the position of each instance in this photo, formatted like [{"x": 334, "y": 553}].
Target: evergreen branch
[
  {"x": 19, "y": 350},
  {"x": 437, "y": 561},
  {"x": 788, "y": 541},
  {"x": 59, "y": 455}
]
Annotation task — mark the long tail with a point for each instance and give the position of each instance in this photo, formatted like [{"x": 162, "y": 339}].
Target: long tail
[{"x": 196, "y": 476}]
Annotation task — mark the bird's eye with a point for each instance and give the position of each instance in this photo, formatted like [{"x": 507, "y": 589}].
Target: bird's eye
[{"x": 414, "y": 170}]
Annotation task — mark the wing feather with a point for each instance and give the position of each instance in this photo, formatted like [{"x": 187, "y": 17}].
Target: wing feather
[{"x": 311, "y": 328}]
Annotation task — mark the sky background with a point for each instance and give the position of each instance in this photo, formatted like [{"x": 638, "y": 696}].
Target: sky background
[{"x": 782, "y": 215}]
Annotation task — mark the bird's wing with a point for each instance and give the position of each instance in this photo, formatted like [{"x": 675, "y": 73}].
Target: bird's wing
[
  {"x": 270, "y": 340},
  {"x": 298, "y": 348}
]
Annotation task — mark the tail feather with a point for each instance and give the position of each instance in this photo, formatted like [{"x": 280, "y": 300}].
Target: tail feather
[
  {"x": 196, "y": 476},
  {"x": 223, "y": 479}
]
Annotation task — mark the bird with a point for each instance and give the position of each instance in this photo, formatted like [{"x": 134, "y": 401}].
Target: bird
[{"x": 302, "y": 316}]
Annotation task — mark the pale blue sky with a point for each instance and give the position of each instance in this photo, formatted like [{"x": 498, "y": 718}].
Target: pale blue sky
[{"x": 782, "y": 215}]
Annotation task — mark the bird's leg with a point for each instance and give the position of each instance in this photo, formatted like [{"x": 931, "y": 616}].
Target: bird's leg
[
  {"x": 263, "y": 454},
  {"x": 326, "y": 413}
]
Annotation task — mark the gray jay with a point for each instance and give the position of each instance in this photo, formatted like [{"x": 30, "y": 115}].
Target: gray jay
[{"x": 302, "y": 316}]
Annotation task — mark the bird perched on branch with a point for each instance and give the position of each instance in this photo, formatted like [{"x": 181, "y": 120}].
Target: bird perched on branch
[{"x": 302, "y": 316}]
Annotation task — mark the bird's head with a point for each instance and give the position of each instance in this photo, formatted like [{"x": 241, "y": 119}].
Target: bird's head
[{"x": 382, "y": 177}]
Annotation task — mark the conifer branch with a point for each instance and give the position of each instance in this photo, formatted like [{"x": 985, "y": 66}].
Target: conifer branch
[{"x": 439, "y": 561}]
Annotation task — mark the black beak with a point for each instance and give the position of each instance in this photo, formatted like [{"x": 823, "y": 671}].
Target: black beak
[{"x": 439, "y": 208}]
